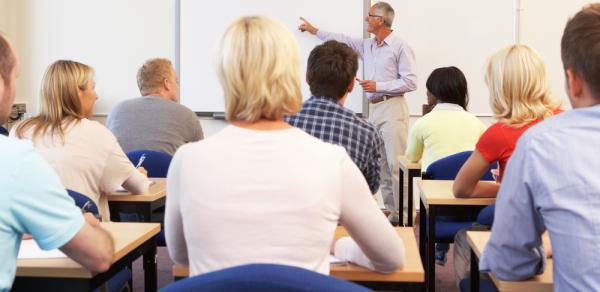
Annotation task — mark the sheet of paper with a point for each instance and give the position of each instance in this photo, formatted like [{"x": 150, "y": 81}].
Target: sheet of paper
[
  {"x": 30, "y": 250},
  {"x": 336, "y": 261},
  {"x": 122, "y": 190}
]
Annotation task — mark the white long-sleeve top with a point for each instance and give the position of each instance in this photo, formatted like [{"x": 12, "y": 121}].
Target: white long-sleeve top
[{"x": 248, "y": 196}]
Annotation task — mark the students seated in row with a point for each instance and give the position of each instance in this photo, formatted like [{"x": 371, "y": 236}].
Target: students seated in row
[
  {"x": 85, "y": 154},
  {"x": 33, "y": 201},
  {"x": 154, "y": 121},
  {"x": 520, "y": 98},
  {"x": 271, "y": 193},
  {"x": 448, "y": 128},
  {"x": 551, "y": 181},
  {"x": 331, "y": 73}
]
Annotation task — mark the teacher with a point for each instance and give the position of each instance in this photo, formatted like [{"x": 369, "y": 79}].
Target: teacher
[{"x": 389, "y": 72}]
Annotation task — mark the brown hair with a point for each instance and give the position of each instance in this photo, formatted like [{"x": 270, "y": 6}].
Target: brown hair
[
  {"x": 580, "y": 46},
  {"x": 60, "y": 103},
  {"x": 331, "y": 68},
  {"x": 7, "y": 59},
  {"x": 152, "y": 74}
]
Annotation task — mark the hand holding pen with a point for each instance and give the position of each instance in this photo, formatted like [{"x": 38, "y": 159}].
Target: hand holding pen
[{"x": 139, "y": 165}]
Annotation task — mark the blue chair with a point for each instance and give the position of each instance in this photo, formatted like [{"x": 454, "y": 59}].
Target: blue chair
[
  {"x": 263, "y": 278},
  {"x": 156, "y": 162},
  {"x": 122, "y": 278},
  {"x": 3, "y": 131},
  {"x": 484, "y": 285},
  {"x": 486, "y": 216},
  {"x": 446, "y": 169}
]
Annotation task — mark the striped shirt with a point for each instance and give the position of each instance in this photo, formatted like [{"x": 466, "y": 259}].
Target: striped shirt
[{"x": 326, "y": 119}]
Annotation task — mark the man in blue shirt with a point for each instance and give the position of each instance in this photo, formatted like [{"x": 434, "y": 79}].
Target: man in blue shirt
[
  {"x": 330, "y": 73},
  {"x": 551, "y": 181},
  {"x": 33, "y": 201}
]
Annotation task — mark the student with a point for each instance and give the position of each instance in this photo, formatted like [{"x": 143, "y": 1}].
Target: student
[
  {"x": 85, "y": 154},
  {"x": 331, "y": 73},
  {"x": 520, "y": 98},
  {"x": 271, "y": 193},
  {"x": 448, "y": 128},
  {"x": 33, "y": 201},
  {"x": 154, "y": 121},
  {"x": 551, "y": 180}
]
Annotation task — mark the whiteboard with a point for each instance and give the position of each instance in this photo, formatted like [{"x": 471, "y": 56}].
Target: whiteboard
[
  {"x": 461, "y": 33},
  {"x": 201, "y": 26}
]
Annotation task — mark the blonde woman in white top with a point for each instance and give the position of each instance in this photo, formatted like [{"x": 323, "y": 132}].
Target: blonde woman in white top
[
  {"x": 85, "y": 154},
  {"x": 261, "y": 191}
]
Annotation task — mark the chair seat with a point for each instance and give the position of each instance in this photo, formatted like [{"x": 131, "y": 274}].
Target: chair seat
[
  {"x": 263, "y": 278},
  {"x": 484, "y": 285},
  {"x": 445, "y": 230}
]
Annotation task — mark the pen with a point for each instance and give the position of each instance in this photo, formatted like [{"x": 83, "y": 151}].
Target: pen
[{"x": 142, "y": 158}]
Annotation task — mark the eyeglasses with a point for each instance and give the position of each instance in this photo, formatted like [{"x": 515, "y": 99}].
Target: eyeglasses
[{"x": 372, "y": 15}]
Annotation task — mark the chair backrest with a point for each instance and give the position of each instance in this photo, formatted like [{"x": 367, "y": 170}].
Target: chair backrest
[
  {"x": 447, "y": 168},
  {"x": 486, "y": 215},
  {"x": 263, "y": 278},
  {"x": 156, "y": 162},
  {"x": 84, "y": 202}
]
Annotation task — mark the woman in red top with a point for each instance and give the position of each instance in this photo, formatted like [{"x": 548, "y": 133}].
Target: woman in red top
[{"x": 520, "y": 98}]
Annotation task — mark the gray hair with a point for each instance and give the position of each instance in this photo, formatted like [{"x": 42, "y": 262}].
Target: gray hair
[{"x": 386, "y": 11}]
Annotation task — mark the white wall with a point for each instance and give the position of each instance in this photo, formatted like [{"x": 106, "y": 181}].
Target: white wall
[{"x": 113, "y": 36}]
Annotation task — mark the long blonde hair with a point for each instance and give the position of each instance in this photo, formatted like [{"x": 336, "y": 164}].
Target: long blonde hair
[
  {"x": 518, "y": 85},
  {"x": 60, "y": 103},
  {"x": 259, "y": 69}
]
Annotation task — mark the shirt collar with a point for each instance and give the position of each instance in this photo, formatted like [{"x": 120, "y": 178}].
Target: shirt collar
[{"x": 448, "y": 106}]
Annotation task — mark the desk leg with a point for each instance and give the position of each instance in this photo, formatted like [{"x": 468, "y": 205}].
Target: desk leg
[
  {"x": 431, "y": 214},
  {"x": 401, "y": 200},
  {"x": 422, "y": 236},
  {"x": 150, "y": 278},
  {"x": 474, "y": 273},
  {"x": 411, "y": 177}
]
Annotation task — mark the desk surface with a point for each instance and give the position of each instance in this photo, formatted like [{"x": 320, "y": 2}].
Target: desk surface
[
  {"x": 407, "y": 165},
  {"x": 478, "y": 240},
  {"x": 157, "y": 191},
  {"x": 439, "y": 192},
  {"x": 127, "y": 236},
  {"x": 411, "y": 272}
]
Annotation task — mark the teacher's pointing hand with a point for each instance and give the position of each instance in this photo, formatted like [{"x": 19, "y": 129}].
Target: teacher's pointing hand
[{"x": 306, "y": 26}]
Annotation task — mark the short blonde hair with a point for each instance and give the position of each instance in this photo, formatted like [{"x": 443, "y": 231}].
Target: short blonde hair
[
  {"x": 60, "y": 103},
  {"x": 518, "y": 85},
  {"x": 152, "y": 74},
  {"x": 259, "y": 69}
]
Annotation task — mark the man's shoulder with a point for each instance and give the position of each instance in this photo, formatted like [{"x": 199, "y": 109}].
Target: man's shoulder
[{"x": 13, "y": 150}]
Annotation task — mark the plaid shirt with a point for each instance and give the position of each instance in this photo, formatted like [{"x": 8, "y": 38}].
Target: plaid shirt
[{"x": 327, "y": 120}]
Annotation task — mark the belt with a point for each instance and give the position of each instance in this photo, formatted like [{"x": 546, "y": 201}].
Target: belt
[{"x": 382, "y": 98}]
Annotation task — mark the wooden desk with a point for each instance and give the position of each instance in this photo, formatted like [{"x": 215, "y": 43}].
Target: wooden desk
[
  {"x": 437, "y": 199},
  {"x": 132, "y": 240},
  {"x": 540, "y": 283},
  {"x": 409, "y": 278},
  {"x": 412, "y": 169},
  {"x": 144, "y": 205}
]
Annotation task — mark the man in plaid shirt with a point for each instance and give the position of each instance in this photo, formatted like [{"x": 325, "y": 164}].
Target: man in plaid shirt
[{"x": 331, "y": 71}]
